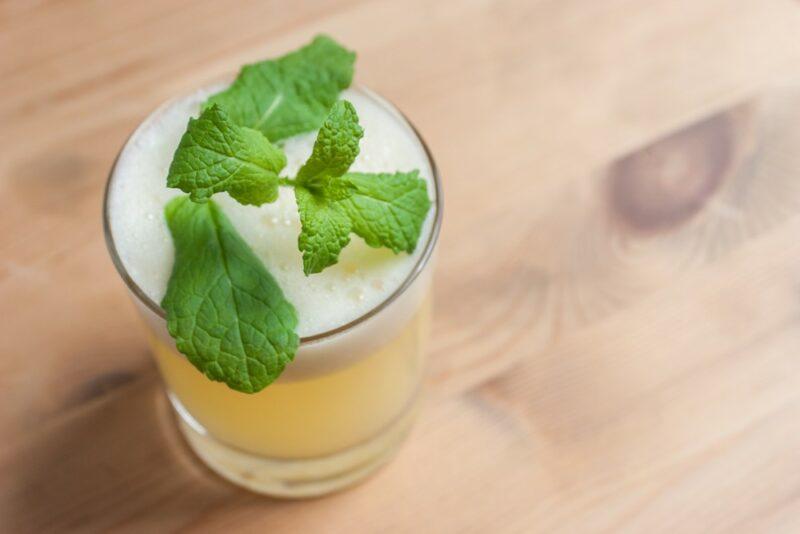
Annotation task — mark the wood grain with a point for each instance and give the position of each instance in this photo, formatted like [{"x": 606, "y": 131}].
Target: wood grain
[{"x": 618, "y": 290}]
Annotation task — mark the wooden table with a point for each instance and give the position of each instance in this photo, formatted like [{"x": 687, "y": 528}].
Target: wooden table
[{"x": 618, "y": 294}]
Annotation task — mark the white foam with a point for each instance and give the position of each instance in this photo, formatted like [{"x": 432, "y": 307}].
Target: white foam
[{"x": 364, "y": 276}]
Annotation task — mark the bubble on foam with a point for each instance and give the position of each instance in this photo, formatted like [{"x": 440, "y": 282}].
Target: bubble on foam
[{"x": 324, "y": 301}]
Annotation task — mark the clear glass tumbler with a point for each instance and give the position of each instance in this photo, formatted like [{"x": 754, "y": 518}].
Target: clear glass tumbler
[{"x": 338, "y": 412}]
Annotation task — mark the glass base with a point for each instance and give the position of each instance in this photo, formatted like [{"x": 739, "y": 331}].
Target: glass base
[{"x": 294, "y": 478}]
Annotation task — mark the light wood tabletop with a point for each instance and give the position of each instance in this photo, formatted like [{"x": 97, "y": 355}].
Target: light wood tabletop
[{"x": 616, "y": 341}]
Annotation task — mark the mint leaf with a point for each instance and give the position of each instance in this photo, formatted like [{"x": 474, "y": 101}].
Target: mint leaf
[
  {"x": 216, "y": 155},
  {"x": 325, "y": 227},
  {"x": 335, "y": 148},
  {"x": 226, "y": 313},
  {"x": 325, "y": 230},
  {"x": 292, "y": 94},
  {"x": 388, "y": 209}
]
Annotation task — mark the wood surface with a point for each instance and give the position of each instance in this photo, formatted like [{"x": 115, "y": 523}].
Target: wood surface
[{"x": 617, "y": 323}]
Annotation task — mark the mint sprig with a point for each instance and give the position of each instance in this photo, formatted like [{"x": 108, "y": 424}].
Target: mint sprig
[
  {"x": 292, "y": 94},
  {"x": 386, "y": 210},
  {"x": 318, "y": 188},
  {"x": 224, "y": 310}
]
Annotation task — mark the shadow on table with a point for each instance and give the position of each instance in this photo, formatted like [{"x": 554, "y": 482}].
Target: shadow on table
[{"x": 118, "y": 461}]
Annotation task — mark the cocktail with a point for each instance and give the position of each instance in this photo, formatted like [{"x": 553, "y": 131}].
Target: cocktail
[{"x": 279, "y": 249}]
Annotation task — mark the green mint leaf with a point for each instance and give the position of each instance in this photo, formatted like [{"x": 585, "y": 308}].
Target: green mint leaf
[
  {"x": 216, "y": 155},
  {"x": 325, "y": 230},
  {"x": 224, "y": 310},
  {"x": 335, "y": 148},
  {"x": 292, "y": 94},
  {"x": 387, "y": 209}
]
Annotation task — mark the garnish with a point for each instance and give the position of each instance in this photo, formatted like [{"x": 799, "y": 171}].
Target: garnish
[
  {"x": 216, "y": 155},
  {"x": 386, "y": 210},
  {"x": 335, "y": 148},
  {"x": 225, "y": 311},
  {"x": 292, "y": 94}
]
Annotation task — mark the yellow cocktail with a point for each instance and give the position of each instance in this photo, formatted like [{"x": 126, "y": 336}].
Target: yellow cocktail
[
  {"x": 346, "y": 401},
  {"x": 311, "y": 417}
]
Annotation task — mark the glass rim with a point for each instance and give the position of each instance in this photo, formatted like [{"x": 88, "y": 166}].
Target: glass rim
[{"x": 419, "y": 266}]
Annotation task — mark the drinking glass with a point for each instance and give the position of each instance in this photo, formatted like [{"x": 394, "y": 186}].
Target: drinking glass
[{"x": 338, "y": 411}]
